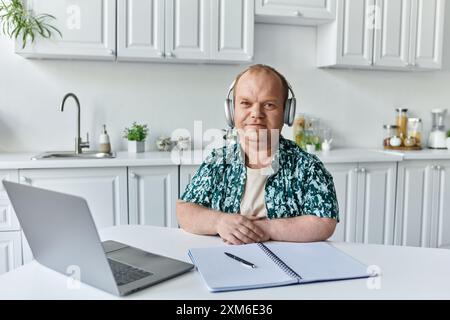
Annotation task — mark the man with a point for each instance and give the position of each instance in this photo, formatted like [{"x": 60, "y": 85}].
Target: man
[{"x": 264, "y": 187}]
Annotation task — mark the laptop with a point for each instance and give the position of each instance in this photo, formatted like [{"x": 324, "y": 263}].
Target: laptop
[{"x": 62, "y": 236}]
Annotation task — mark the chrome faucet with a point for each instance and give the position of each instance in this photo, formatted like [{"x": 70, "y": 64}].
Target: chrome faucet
[{"x": 79, "y": 144}]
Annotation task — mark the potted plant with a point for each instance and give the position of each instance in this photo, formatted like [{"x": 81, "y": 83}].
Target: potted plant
[
  {"x": 17, "y": 21},
  {"x": 448, "y": 139},
  {"x": 136, "y": 136}
]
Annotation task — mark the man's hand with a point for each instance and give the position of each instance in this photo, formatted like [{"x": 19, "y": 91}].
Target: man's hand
[{"x": 238, "y": 229}]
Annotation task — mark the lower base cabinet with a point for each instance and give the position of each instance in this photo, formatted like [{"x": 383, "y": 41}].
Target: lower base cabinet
[
  {"x": 423, "y": 204},
  {"x": 152, "y": 195},
  {"x": 105, "y": 189},
  {"x": 366, "y": 197},
  {"x": 10, "y": 250}
]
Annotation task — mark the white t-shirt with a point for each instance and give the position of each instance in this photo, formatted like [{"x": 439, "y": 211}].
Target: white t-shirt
[{"x": 253, "y": 202}]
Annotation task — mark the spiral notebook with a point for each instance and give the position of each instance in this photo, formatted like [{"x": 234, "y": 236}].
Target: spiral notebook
[{"x": 276, "y": 264}]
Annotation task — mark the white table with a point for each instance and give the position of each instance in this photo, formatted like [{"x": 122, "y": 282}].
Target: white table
[{"x": 407, "y": 273}]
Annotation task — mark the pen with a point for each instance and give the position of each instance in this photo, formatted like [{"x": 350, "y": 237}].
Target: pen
[{"x": 245, "y": 262}]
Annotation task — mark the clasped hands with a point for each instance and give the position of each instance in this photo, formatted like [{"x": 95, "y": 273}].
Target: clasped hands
[{"x": 239, "y": 229}]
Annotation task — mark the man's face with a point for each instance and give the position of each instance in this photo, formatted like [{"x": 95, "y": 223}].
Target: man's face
[{"x": 259, "y": 103}]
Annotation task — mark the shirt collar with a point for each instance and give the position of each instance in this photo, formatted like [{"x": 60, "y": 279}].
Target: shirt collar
[{"x": 238, "y": 156}]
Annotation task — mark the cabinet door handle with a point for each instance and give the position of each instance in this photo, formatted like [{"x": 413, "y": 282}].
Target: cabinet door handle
[
  {"x": 133, "y": 175},
  {"x": 298, "y": 13},
  {"x": 160, "y": 54},
  {"x": 111, "y": 51},
  {"x": 363, "y": 170},
  {"x": 438, "y": 168},
  {"x": 356, "y": 169},
  {"x": 170, "y": 54}
]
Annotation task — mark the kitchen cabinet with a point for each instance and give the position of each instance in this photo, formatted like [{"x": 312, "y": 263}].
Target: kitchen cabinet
[
  {"x": 380, "y": 34},
  {"x": 10, "y": 251},
  {"x": 423, "y": 205},
  {"x": 175, "y": 30},
  {"x": 8, "y": 219},
  {"x": 186, "y": 174},
  {"x": 88, "y": 30},
  {"x": 304, "y": 12},
  {"x": 152, "y": 195},
  {"x": 105, "y": 189},
  {"x": 10, "y": 243},
  {"x": 428, "y": 33},
  {"x": 232, "y": 30},
  {"x": 140, "y": 29},
  {"x": 366, "y": 196}
]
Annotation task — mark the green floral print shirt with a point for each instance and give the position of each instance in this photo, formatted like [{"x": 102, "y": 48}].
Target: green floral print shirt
[{"x": 298, "y": 183}]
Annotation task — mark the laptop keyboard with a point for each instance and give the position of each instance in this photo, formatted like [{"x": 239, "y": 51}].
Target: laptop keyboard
[{"x": 124, "y": 273}]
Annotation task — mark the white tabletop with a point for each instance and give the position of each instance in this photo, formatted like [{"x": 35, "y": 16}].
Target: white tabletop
[{"x": 407, "y": 273}]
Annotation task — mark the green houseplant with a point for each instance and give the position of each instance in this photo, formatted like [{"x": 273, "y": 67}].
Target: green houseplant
[
  {"x": 19, "y": 22},
  {"x": 136, "y": 135}
]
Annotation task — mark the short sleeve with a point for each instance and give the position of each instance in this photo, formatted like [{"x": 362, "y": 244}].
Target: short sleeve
[
  {"x": 200, "y": 188},
  {"x": 319, "y": 193}
]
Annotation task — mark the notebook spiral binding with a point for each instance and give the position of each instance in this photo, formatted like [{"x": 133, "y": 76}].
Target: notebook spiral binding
[{"x": 279, "y": 262}]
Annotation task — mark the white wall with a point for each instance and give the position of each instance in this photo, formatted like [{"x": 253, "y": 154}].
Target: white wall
[{"x": 355, "y": 104}]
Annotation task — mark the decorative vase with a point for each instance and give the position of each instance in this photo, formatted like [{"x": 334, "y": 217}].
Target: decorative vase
[
  {"x": 136, "y": 146},
  {"x": 163, "y": 143}
]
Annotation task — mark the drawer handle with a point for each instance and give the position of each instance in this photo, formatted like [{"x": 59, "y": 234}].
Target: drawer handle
[{"x": 298, "y": 13}]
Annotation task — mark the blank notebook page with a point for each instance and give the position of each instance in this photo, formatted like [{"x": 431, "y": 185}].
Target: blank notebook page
[
  {"x": 221, "y": 272},
  {"x": 318, "y": 261}
]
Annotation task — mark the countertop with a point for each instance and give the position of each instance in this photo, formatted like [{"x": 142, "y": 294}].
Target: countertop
[
  {"x": 122, "y": 159},
  {"x": 195, "y": 157},
  {"x": 425, "y": 154},
  {"x": 406, "y": 273}
]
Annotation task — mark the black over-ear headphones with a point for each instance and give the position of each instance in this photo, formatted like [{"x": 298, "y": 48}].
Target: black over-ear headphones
[{"x": 289, "y": 107}]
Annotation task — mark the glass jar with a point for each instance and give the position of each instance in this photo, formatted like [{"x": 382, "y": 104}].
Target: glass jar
[
  {"x": 315, "y": 136},
  {"x": 298, "y": 128},
  {"x": 390, "y": 131},
  {"x": 415, "y": 130},
  {"x": 401, "y": 120}
]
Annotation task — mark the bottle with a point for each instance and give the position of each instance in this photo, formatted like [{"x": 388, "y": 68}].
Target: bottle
[
  {"x": 105, "y": 145},
  {"x": 402, "y": 122},
  {"x": 415, "y": 130}
]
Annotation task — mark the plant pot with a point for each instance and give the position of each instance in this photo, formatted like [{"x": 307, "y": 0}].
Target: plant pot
[
  {"x": 136, "y": 146},
  {"x": 448, "y": 143}
]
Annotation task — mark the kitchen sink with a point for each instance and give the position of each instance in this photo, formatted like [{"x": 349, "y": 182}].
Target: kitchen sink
[{"x": 73, "y": 155}]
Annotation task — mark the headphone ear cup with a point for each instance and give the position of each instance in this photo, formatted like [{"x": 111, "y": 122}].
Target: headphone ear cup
[
  {"x": 287, "y": 110},
  {"x": 292, "y": 108},
  {"x": 229, "y": 112}
]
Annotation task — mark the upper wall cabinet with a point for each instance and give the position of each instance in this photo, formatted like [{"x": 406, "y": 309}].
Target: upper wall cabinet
[
  {"x": 147, "y": 30},
  {"x": 383, "y": 34},
  {"x": 183, "y": 30},
  {"x": 88, "y": 28},
  {"x": 304, "y": 12}
]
